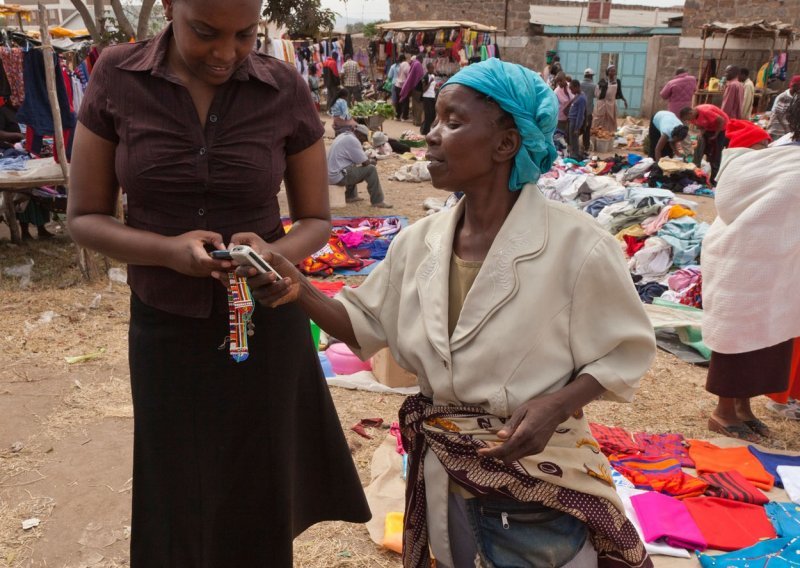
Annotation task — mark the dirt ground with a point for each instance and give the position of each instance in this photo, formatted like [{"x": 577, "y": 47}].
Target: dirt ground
[{"x": 66, "y": 428}]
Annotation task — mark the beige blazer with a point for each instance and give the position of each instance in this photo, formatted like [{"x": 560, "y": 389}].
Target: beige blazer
[{"x": 553, "y": 299}]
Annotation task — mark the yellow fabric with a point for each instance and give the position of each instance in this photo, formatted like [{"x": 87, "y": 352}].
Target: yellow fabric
[
  {"x": 634, "y": 231},
  {"x": 393, "y": 532},
  {"x": 677, "y": 211},
  {"x": 462, "y": 275}
]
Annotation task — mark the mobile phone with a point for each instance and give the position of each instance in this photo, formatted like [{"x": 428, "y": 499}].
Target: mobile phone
[
  {"x": 221, "y": 255},
  {"x": 243, "y": 254}
]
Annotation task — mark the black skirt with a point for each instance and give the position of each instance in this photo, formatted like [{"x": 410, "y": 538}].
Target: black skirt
[
  {"x": 232, "y": 460},
  {"x": 745, "y": 375}
]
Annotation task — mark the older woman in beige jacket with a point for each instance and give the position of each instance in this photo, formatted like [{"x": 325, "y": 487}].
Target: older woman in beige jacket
[{"x": 514, "y": 312}]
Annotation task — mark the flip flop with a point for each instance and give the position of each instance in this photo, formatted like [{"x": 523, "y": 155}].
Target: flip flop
[
  {"x": 758, "y": 427},
  {"x": 739, "y": 431}
]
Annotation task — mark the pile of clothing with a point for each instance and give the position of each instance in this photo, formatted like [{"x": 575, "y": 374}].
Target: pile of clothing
[
  {"x": 656, "y": 229},
  {"x": 355, "y": 246},
  {"x": 722, "y": 507}
]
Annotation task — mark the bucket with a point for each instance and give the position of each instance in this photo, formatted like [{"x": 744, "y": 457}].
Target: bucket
[
  {"x": 601, "y": 145},
  {"x": 345, "y": 362}
]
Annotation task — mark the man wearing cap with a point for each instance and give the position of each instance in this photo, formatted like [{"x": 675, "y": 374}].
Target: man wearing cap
[
  {"x": 778, "y": 124},
  {"x": 348, "y": 165},
  {"x": 588, "y": 87},
  {"x": 679, "y": 90}
]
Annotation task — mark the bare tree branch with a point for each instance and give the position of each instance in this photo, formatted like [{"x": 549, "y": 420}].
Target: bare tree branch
[
  {"x": 143, "y": 29},
  {"x": 80, "y": 6},
  {"x": 122, "y": 19}
]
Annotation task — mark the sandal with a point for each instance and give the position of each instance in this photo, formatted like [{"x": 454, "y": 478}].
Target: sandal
[
  {"x": 758, "y": 427},
  {"x": 739, "y": 431}
]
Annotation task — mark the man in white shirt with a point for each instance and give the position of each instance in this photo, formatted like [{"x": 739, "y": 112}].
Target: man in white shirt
[{"x": 348, "y": 165}]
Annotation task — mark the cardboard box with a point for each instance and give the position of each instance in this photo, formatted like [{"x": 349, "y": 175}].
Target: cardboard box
[{"x": 389, "y": 373}]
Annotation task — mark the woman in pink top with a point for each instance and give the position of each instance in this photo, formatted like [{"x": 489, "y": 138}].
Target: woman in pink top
[{"x": 564, "y": 97}]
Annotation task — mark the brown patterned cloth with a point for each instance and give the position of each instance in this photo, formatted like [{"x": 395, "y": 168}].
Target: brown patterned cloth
[{"x": 439, "y": 428}]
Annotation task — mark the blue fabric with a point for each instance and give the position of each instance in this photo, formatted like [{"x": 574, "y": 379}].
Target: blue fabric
[
  {"x": 577, "y": 112},
  {"x": 16, "y": 163},
  {"x": 533, "y": 105},
  {"x": 666, "y": 122},
  {"x": 785, "y": 517},
  {"x": 778, "y": 553},
  {"x": 685, "y": 236},
  {"x": 772, "y": 461},
  {"x": 35, "y": 111},
  {"x": 600, "y": 203},
  {"x": 340, "y": 109}
]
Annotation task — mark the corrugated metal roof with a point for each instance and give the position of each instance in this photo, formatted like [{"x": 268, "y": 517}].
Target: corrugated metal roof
[{"x": 619, "y": 17}]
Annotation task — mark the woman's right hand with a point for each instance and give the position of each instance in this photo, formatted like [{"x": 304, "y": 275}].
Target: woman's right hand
[{"x": 188, "y": 255}]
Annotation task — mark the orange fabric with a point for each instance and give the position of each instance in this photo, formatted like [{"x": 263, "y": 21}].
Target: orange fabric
[
  {"x": 713, "y": 459},
  {"x": 794, "y": 378},
  {"x": 677, "y": 211}
]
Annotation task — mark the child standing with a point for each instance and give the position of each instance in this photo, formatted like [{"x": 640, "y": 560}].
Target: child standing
[
  {"x": 576, "y": 109},
  {"x": 428, "y": 99}
]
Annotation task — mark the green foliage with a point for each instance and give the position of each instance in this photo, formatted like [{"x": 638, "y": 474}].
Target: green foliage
[
  {"x": 370, "y": 29},
  {"x": 365, "y": 109},
  {"x": 303, "y": 18}
]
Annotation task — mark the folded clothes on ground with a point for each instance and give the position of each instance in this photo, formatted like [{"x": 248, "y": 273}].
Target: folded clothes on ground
[
  {"x": 667, "y": 518},
  {"x": 713, "y": 459},
  {"x": 785, "y": 518},
  {"x": 776, "y": 553},
  {"x": 729, "y": 525},
  {"x": 771, "y": 462},
  {"x": 733, "y": 485}
]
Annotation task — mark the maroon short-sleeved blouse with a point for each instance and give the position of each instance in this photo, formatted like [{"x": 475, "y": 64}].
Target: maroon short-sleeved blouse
[{"x": 179, "y": 176}]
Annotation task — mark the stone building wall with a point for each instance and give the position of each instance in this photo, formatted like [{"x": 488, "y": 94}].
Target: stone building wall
[{"x": 699, "y": 12}]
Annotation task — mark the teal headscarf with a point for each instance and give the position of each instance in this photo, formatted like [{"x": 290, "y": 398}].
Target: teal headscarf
[{"x": 533, "y": 105}]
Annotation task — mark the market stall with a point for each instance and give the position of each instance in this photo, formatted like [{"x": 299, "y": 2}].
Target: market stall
[
  {"x": 448, "y": 44},
  {"x": 775, "y": 36}
]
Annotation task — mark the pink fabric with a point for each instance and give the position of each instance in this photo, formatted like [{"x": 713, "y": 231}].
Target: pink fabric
[
  {"x": 564, "y": 96},
  {"x": 678, "y": 92},
  {"x": 662, "y": 516},
  {"x": 733, "y": 99},
  {"x": 683, "y": 278},
  {"x": 652, "y": 225},
  {"x": 352, "y": 240}
]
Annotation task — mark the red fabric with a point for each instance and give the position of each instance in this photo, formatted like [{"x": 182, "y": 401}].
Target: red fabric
[
  {"x": 733, "y": 485},
  {"x": 672, "y": 445},
  {"x": 331, "y": 65},
  {"x": 794, "y": 378},
  {"x": 729, "y": 525},
  {"x": 330, "y": 289},
  {"x": 707, "y": 117},
  {"x": 743, "y": 134},
  {"x": 794, "y": 81},
  {"x": 614, "y": 440},
  {"x": 633, "y": 244}
]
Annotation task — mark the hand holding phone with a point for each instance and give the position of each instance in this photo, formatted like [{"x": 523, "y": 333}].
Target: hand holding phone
[{"x": 243, "y": 254}]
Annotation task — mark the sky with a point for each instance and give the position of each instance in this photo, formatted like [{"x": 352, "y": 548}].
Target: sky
[{"x": 371, "y": 10}]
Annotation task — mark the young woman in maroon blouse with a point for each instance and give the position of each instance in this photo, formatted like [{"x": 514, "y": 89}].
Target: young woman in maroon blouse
[{"x": 231, "y": 460}]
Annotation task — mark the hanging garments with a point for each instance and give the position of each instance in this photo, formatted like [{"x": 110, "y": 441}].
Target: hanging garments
[
  {"x": 35, "y": 111},
  {"x": 12, "y": 64}
]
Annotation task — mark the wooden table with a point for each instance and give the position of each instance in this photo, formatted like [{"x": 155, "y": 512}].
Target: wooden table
[{"x": 39, "y": 172}]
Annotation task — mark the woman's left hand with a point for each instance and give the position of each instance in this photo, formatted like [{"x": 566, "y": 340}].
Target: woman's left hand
[{"x": 528, "y": 430}]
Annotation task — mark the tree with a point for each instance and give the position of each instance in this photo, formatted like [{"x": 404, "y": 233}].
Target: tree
[
  {"x": 305, "y": 18},
  {"x": 96, "y": 24},
  {"x": 370, "y": 29}
]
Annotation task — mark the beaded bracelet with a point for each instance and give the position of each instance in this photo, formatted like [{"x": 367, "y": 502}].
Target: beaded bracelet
[{"x": 240, "y": 313}]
